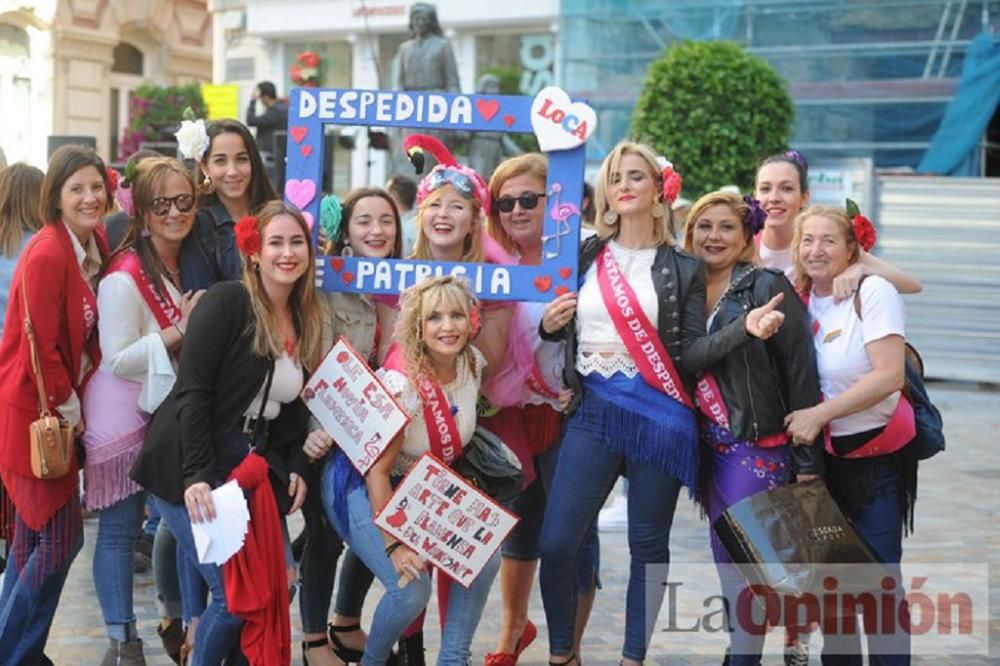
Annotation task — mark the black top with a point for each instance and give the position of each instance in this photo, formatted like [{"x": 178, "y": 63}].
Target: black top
[
  {"x": 765, "y": 380},
  {"x": 679, "y": 281},
  {"x": 190, "y": 438},
  {"x": 274, "y": 118}
]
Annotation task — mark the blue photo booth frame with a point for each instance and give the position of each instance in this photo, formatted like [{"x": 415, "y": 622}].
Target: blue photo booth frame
[{"x": 312, "y": 108}]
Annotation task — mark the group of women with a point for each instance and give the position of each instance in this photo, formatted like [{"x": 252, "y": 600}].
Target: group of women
[{"x": 180, "y": 355}]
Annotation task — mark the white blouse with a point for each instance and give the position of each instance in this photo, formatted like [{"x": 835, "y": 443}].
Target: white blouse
[
  {"x": 600, "y": 348},
  {"x": 285, "y": 387},
  {"x": 462, "y": 394},
  {"x": 131, "y": 346}
]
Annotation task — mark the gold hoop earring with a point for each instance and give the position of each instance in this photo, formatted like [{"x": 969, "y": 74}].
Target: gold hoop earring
[
  {"x": 658, "y": 209},
  {"x": 610, "y": 218}
]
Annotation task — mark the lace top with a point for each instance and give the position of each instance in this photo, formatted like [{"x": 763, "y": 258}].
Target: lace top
[
  {"x": 461, "y": 393},
  {"x": 600, "y": 348}
]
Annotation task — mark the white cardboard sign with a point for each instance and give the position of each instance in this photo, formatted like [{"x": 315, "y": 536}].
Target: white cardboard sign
[
  {"x": 353, "y": 406},
  {"x": 445, "y": 519}
]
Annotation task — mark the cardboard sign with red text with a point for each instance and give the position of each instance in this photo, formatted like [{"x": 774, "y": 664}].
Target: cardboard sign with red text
[
  {"x": 353, "y": 406},
  {"x": 446, "y": 519}
]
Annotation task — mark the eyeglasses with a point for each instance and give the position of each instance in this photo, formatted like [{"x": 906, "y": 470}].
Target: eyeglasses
[
  {"x": 183, "y": 202},
  {"x": 528, "y": 201}
]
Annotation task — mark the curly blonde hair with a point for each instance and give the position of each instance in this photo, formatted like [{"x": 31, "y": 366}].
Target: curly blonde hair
[{"x": 415, "y": 307}]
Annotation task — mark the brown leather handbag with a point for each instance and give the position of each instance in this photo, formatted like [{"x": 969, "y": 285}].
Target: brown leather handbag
[{"x": 51, "y": 439}]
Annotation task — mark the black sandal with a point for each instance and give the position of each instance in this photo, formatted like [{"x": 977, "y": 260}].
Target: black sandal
[
  {"x": 309, "y": 645},
  {"x": 572, "y": 660},
  {"x": 345, "y": 654}
]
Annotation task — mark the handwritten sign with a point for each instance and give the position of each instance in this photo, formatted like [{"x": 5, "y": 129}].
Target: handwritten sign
[
  {"x": 312, "y": 108},
  {"x": 445, "y": 519},
  {"x": 353, "y": 407}
]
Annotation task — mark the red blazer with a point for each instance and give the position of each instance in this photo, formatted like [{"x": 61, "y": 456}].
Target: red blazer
[{"x": 56, "y": 292}]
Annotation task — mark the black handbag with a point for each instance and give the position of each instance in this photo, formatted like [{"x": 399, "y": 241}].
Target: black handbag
[
  {"x": 489, "y": 464},
  {"x": 785, "y": 538}
]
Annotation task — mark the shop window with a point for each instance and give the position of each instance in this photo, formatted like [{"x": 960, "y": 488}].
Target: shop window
[
  {"x": 524, "y": 63},
  {"x": 127, "y": 60}
]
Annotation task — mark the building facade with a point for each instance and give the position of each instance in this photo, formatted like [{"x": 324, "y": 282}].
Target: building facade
[{"x": 67, "y": 67}]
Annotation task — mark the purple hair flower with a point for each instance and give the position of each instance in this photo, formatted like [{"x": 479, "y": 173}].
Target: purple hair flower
[
  {"x": 798, "y": 158},
  {"x": 755, "y": 216}
]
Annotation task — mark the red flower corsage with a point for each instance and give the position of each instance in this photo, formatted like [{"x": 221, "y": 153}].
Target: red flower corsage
[
  {"x": 112, "y": 180},
  {"x": 248, "y": 235},
  {"x": 671, "y": 184},
  {"x": 864, "y": 230},
  {"x": 475, "y": 321}
]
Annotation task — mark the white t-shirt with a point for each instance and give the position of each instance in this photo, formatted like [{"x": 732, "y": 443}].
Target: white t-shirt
[
  {"x": 601, "y": 349},
  {"x": 549, "y": 356},
  {"x": 285, "y": 387},
  {"x": 840, "y": 347},
  {"x": 779, "y": 259}
]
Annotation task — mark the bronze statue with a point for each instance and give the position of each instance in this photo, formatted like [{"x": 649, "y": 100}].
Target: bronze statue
[{"x": 488, "y": 149}]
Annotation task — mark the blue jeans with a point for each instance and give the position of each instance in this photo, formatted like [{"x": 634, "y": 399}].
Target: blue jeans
[
  {"x": 218, "y": 635},
  {"x": 880, "y": 525},
  {"x": 352, "y": 588},
  {"x": 585, "y": 475},
  {"x": 522, "y": 543},
  {"x": 36, "y": 571},
  {"x": 400, "y": 606},
  {"x": 119, "y": 526},
  {"x": 152, "y": 519}
]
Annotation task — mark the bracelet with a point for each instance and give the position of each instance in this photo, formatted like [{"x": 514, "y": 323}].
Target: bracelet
[
  {"x": 178, "y": 329},
  {"x": 392, "y": 547}
]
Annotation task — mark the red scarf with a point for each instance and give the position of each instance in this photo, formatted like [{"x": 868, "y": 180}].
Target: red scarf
[
  {"x": 636, "y": 331},
  {"x": 713, "y": 407},
  {"x": 162, "y": 305},
  {"x": 255, "y": 579}
]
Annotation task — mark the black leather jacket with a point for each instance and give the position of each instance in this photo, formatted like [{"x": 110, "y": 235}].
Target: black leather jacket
[
  {"x": 763, "y": 381},
  {"x": 679, "y": 280}
]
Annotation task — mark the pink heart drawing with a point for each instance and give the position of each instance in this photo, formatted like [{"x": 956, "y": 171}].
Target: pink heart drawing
[
  {"x": 306, "y": 150},
  {"x": 298, "y": 132},
  {"x": 509, "y": 120},
  {"x": 487, "y": 108},
  {"x": 300, "y": 192},
  {"x": 309, "y": 219}
]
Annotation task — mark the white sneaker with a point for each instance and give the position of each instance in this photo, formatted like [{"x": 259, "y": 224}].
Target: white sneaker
[{"x": 614, "y": 517}]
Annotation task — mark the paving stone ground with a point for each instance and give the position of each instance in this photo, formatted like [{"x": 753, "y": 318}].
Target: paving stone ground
[{"x": 956, "y": 524}]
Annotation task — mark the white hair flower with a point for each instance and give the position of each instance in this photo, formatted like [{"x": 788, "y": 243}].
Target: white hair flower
[{"x": 192, "y": 139}]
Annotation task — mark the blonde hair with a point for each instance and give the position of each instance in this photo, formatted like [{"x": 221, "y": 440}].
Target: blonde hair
[
  {"x": 533, "y": 165},
  {"x": 304, "y": 305},
  {"x": 739, "y": 208},
  {"x": 415, "y": 307},
  {"x": 473, "y": 248},
  {"x": 662, "y": 226},
  {"x": 837, "y": 215}
]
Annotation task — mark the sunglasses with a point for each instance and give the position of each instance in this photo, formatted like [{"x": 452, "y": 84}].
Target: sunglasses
[
  {"x": 528, "y": 201},
  {"x": 183, "y": 202}
]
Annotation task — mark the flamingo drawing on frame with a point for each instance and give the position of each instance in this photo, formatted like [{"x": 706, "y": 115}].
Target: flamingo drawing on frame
[{"x": 561, "y": 213}]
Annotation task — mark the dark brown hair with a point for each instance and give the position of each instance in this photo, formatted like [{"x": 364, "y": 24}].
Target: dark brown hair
[
  {"x": 260, "y": 190},
  {"x": 64, "y": 162},
  {"x": 336, "y": 245}
]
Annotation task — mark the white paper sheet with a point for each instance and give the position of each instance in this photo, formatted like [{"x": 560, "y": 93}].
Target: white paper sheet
[{"x": 220, "y": 539}]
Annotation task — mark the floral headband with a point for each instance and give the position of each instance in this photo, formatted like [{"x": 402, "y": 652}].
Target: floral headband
[
  {"x": 798, "y": 158},
  {"x": 672, "y": 181},
  {"x": 863, "y": 229},
  {"x": 330, "y": 214},
  {"x": 446, "y": 172},
  {"x": 755, "y": 216},
  {"x": 248, "y": 235},
  {"x": 192, "y": 137}
]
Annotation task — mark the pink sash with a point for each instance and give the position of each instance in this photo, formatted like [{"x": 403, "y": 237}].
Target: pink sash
[
  {"x": 898, "y": 432},
  {"x": 163, "y": 307},
  {"x": 442, "y": 430},
  {"x": 536, "y": 382},
  {"x": 636, "y": 331},
  {"x": 711, "y": 405}
]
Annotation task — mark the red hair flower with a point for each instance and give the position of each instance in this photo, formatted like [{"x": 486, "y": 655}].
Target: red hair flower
[
  {"x": 671, "y": 180},
  {"x": 248, "y": 235},
  {"x": 475, "y": 321},
  {"x": 112, "y": 180},
  {"x": 864, "y": 230}
]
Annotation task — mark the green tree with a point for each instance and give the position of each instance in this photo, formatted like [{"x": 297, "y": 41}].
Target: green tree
[{"x": 714, "y": 111}]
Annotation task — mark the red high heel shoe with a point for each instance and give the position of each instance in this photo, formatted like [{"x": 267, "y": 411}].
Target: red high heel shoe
[{"x": 506, "y": 658}]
